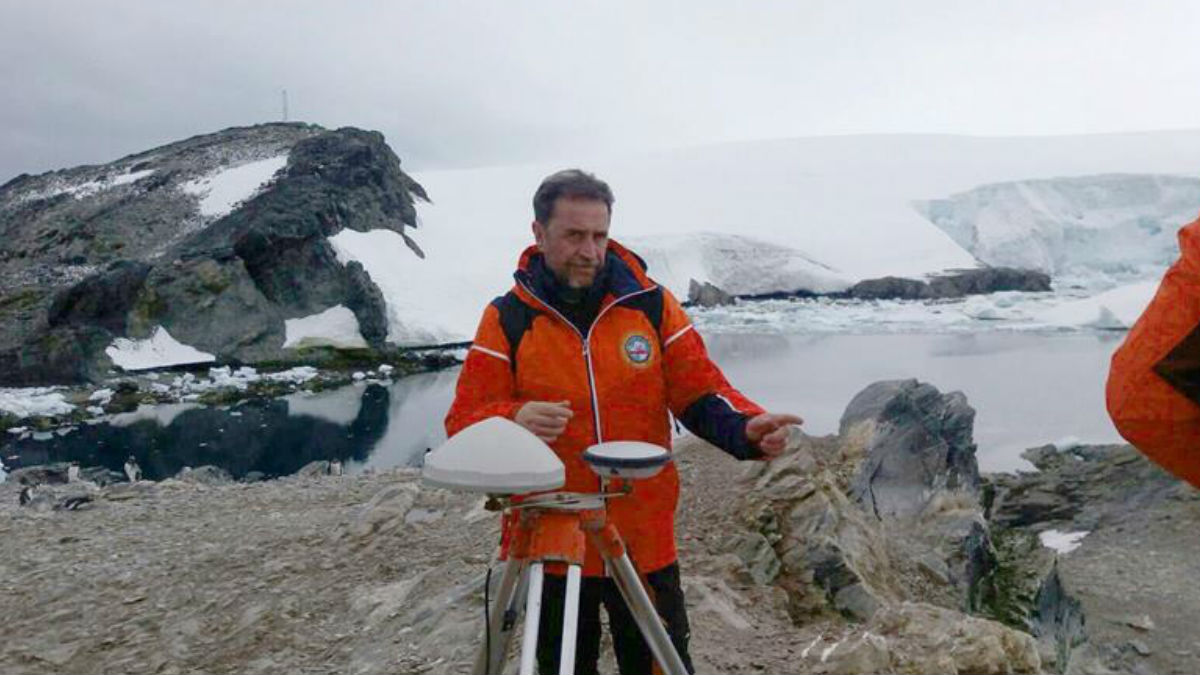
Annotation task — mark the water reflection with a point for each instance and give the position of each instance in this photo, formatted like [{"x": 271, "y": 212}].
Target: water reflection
[
  {"x": 1027, "y": 390},
  {"x": 274, "y": 437}
]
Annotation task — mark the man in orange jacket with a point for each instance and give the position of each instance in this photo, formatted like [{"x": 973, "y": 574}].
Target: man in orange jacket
[
  {"x": 1154, "y": 383},
  {"x": 585, "y": 349}
]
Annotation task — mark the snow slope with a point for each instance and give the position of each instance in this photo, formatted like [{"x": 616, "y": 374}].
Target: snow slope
[{"x": 844, "y": 203}]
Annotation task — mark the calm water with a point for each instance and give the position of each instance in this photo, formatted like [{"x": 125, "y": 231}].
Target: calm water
[{"x": 1027, "y": 390}]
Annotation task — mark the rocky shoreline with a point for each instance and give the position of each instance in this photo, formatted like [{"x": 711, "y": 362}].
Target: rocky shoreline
[{"x": 879, "y": 549}]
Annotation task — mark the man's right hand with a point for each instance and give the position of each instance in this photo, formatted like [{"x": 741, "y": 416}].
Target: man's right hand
[{"x": 545, "y": 419}]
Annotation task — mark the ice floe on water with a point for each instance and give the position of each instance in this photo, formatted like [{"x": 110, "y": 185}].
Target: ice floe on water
[
  {"x": 1117, "y": 309},
  {"x": 34, "y": 402}
]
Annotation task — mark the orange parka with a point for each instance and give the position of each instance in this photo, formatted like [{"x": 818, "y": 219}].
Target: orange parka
[
  {"x": 1154, "y": 383},
  {"x": 639, "y": 362}
]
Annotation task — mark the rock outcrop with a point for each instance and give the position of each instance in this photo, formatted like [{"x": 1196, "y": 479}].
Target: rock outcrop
[
  {"x": 1097, "y": 556},
  {"x": 953, "y": 285},
  {"x": 159, "y": 241}
]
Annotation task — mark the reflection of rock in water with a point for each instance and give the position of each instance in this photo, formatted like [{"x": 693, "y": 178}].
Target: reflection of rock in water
[
  {"x": 751, "y": 345},
  {"x": 256, "y": 436}
]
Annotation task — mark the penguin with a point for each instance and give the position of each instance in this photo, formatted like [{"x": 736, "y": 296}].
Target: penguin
[
  {"x": 26, "y": 495},
  {"x": 132, "y": 471},
  {"x": 335, "y": 467},
  {"x": 73, "y": 472},
  {"x": 72, "y": 502}
]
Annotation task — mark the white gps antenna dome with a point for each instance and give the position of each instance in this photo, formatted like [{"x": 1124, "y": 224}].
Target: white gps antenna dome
[
  {"x": 626, "y": 459},
  {"x": 495, "y": 456}
]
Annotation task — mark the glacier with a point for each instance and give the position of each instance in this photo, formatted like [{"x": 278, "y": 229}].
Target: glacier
[
  {"x": 778, "y": 215},
  {"x": 1112, "y": 225}
]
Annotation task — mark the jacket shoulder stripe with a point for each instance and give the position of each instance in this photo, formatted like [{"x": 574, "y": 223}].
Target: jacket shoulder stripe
[
  {"x": 491, "y": 352},
  {"x": 678, "y": 334}
]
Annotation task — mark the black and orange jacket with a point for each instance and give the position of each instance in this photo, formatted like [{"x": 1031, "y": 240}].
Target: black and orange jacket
[
  {"x": 1154, "y": 383},
  {"x": 638, "y": 362}
]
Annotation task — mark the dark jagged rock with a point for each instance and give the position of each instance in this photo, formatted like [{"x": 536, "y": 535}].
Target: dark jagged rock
[
  {"x": 1058, "y": 617},
  {"x": 920, "y": 441},
  {"x": 1130, "y": 569},
  {"x": 94, "y": 253},
  {"x": 955, "y": 285},
  {"x": 102, "y": 299},
  {"x": 707, "y": 295}
]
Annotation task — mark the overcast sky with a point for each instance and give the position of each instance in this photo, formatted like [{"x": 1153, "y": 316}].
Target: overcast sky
[{"x": 469, "y": 83}]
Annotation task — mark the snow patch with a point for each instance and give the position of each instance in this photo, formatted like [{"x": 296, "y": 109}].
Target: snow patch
[
  {"x": 335, "y": 327},
  {"x": 221, "y": 191},
  {"x": 1062, "y": 542},
  {"x": 158, "y": 351},
  {"x": 1067, "y": 443},
  {"x": 80, "y": 190},
  {"x": 34, "y": 402}
]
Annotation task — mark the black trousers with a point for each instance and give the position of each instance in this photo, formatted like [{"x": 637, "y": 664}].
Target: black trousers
[{"x": 633, "y": 655}]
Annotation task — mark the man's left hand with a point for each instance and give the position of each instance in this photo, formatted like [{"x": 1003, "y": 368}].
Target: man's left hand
[{"x": 769, "y": 431}]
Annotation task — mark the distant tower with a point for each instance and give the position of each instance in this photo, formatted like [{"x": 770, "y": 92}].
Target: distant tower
[{"x": 285, "y": 110}]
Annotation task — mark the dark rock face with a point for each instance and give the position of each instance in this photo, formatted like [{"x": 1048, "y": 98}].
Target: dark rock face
[
  {"x": 1086, "y": 486},
  {"x": 707, "y": 295},
  {"x": 1130, "y": 575},
  {"x": 956, "y": 285},
  {"x": 920, "y": 442},
  {"x": 1058, "y": 617},
  {"x": 99, "y": 252}
]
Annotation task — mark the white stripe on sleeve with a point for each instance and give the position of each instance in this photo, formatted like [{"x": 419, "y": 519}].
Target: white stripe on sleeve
[
  {"x": 491, "y": 352},
  {"x": 678, "y": 334}
]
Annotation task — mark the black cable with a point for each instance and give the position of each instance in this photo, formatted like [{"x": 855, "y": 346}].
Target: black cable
[{"x": 487, "y": 620}]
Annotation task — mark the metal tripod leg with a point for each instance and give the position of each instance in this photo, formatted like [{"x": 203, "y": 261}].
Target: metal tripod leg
[
  {"x": 646, "y": 616},
  {"x": 566, "y": 656},
  {"x": 502, "y": 621},
  {"x": 533, "y": 618}
]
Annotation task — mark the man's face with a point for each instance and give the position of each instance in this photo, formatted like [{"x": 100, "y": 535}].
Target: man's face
[{"x": 575, "y": 239}]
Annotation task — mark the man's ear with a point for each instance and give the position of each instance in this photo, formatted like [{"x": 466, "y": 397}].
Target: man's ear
[{"x": 539, "y": 235}]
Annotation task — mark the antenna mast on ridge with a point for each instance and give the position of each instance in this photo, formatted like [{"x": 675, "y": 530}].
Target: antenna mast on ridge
[{"x": 285, "y": 107}]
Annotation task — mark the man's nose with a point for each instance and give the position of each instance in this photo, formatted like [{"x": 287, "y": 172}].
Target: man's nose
[{"x": 592, "y": 251}]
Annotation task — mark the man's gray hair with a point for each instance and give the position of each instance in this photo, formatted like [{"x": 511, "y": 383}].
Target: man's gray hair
[{"x": 572, "y": 184}]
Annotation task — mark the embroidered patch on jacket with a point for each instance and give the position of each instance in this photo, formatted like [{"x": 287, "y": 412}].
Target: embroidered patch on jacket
[{"x": 638, "y": 349}]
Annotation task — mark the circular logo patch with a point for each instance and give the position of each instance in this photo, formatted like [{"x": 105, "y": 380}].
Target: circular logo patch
[{"x": 637, "y": 348}]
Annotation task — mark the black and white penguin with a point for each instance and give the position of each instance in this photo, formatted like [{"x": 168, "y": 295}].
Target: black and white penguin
[
  {"x": 335, "y": 467},
  {"x": 132, "y": 471},
  {"x": 26, "y": 495},
  {"x": 72, "y": 502},
  {"x": 73, "y": 472}
]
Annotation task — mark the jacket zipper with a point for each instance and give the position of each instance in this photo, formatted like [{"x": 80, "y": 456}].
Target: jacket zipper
[{"x": 586, "y": 341}]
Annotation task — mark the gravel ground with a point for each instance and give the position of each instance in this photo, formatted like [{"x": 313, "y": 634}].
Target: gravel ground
[{"x": 362, "y": 574}]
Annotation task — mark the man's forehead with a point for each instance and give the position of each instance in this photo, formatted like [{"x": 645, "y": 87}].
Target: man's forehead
[{"x": 581, "y": 212}]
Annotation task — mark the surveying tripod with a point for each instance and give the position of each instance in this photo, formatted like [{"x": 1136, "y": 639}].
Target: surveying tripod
[{"x": 554, "y": 528}]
